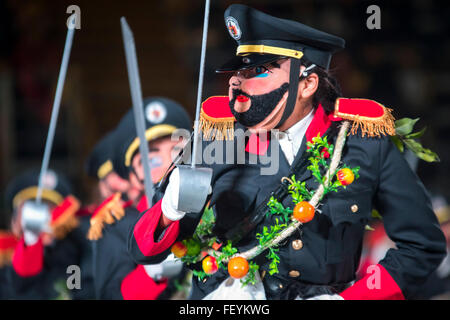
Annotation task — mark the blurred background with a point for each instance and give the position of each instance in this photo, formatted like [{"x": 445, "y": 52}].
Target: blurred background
[{"x": 404, "y": 65}]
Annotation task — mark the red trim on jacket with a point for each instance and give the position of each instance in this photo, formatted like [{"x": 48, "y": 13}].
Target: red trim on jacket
[
  {"x": 378, "y": 285},
  {"x": 145, "y": 228},
  {"x": 257, "y": 146},
  {"x": 142, "y": 205},
  {"x": 28, "y": 261},
  {"x": 137, "y": 285},
  {"x": 319, "y": 124},
  {"x": 100, "y": 207},
  {"x": 70, "y": 205},
  {"x": 7, "y": 241}
]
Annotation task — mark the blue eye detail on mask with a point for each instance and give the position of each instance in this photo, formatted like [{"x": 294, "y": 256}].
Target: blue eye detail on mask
[{"x": 261, "y": 72}]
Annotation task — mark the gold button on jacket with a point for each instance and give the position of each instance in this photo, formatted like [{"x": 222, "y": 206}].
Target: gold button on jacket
[
  {"x": 297, "y": 244},
  {"x": 294, "y": 273}
]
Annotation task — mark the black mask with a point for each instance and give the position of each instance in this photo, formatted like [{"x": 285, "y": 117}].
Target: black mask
[{"x": 261, "y": 105}]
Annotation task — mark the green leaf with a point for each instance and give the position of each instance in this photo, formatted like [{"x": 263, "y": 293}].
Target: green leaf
[
  {"x": 206, "y": 224},
  {"x": 250, "y": 278},
  {"x": 369, "y": 228},
  {"x": 405, "y": 126},
  {"x": 398, "y": 143},
  {"x": 413, "y": 145},
  {"x": 200, "y": 274},
  {"x": 376, "y": 214},
  {"x": 416, "y": 135},
  {"x": 421, "y": 152},
  {"x": 428, "y": 156},
  {"x": 228, "y": 250}
]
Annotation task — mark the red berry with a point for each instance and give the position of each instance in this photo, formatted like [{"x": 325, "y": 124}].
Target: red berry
[
  {"x": 345, "y": 176},
  {"x": 209, "y": 265},
  {"x": 325, "y": 153}
]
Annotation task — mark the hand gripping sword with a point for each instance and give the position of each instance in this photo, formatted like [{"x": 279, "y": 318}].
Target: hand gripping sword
[
  {"x": 36, "y": 214},
  {"x": 137, "y": 99}
]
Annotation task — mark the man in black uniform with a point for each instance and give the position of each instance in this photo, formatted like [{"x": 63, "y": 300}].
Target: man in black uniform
[
  {"x": 281, "y": 81},
  {"x": 117, "y": 275},
  {"x": 41, "y": 259}
]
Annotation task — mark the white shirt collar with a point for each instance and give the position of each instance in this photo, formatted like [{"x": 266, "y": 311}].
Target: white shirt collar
[
  {"x": 291, "y": 139},
  {"x": 301, "y": 126}
]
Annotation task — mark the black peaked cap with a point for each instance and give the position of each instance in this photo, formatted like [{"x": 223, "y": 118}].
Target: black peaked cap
[
  {"x": 24, "y": 187},
  {"x": 99, "y": 162},
  {"x": 262, "y": 38},
  {"x": 162, "y": 116}
]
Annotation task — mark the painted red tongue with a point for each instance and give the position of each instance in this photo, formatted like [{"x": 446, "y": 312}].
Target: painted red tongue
[{"x": 242, "y": 98}]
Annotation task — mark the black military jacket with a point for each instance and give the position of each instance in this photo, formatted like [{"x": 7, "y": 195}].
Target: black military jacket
[
  {"x": 111, "y": 260},
  {"x": 329, "y": 252}
]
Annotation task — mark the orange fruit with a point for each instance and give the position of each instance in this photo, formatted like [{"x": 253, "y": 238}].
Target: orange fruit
[
  {"x": 345, "y": 176},
  {"x": 179, "y": 249},
  {"x": 304, "y": 212},
  {"x": 237, "y": 267},
  {"x": 209, "y": 265}
]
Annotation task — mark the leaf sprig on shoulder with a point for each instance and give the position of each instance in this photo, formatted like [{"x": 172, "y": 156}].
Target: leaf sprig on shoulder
[{"x": 405, "y": 137}]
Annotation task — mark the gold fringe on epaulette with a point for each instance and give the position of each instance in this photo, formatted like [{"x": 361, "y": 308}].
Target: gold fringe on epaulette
[
  {"x": 110, "y": 213},
  {"x": 216, "y": 128},
  {"x": 66, "y": 222},
  {"x": 372, "y": 127}
]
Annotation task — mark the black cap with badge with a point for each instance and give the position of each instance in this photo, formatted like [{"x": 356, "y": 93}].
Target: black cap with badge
[
  {"x": 162, "y": 117},
  {"x": 25, "y": 186},
  {"x": 262, "y": 38}
]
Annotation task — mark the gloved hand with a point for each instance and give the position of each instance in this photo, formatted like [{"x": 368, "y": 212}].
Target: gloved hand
[
  {"x": 169, "y": 268},
  {"x": 34, "y": 220},
  {"x": 169, "y": 202},
  {"x": 30, "y": 237}
]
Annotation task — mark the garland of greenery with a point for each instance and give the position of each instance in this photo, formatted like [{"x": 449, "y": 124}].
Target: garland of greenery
[{"x": 285, "y": 224}]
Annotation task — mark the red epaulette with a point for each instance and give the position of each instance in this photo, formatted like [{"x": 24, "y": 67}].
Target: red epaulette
[
  {"x": 64, "y": 218},
  {"x": 111, "y": 210},
  {"x": 8, "y": 242},
  {"x": 216, "y": 120},
  {"x": 371, "y": 117}
]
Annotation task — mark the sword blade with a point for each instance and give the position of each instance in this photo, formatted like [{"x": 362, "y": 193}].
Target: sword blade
[
  {"x": 200, "y": 82},
  {"x": 137, "y": 100},
  {"x": 55, "y": 108}
]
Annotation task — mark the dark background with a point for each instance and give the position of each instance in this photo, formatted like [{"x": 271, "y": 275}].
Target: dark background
[{"x": 404, "y": 65}]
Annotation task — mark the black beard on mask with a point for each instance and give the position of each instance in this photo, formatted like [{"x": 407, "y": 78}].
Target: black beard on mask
[{"x": 261, "y": 105}]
